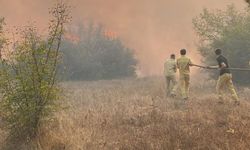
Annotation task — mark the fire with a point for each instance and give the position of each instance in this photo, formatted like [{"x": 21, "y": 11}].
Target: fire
[{"x": 112, "y": 35}]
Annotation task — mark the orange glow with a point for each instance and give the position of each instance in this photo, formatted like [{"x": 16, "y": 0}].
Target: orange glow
[
  {"x": 110, "y": 34},
  {"x": 72, "y": 37},
  {"x": 154, "y": 29}
]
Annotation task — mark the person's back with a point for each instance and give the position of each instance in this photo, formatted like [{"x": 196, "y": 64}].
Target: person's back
[
  {"x": 170, "y": 67},
  {"x": 183, "y": 64}
]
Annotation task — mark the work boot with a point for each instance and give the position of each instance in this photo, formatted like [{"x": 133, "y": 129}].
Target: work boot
[
  {"x": 221, "y": 100},
  {"x": 172, "y": 95},
  {"x": 237, "y": 103}
]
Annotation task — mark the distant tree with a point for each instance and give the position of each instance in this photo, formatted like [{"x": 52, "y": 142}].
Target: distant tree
[
  {"x": 90, "y": 54},
  {"x": 228, "y": 30}
]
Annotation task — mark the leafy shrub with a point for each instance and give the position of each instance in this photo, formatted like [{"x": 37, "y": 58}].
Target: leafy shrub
[{"x": 28, "y": 78}]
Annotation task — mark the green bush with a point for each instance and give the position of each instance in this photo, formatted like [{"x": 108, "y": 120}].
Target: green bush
[
  {"x": 28, "y": 78},
  {"x": 95, "y": 56},
  {"x": 230, "y": 31}
]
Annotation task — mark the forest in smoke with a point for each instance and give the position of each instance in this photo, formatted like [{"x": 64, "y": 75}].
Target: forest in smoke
[
  {"x": 88, "y": 74},
  {"x": 152, "y": 28},
  {"x": 91, "y": 53}
]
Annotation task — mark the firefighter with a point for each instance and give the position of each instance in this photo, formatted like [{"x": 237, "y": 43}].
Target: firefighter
[
  {"x": 225, "y": 78},
  {"x": 170, "y": 69},
  {"x": 183, "y": 64}
]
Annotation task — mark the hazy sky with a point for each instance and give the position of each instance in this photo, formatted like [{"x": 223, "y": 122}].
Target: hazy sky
[{"x": 154, "y": 28}]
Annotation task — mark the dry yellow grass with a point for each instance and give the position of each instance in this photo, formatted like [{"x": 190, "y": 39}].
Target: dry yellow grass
[{"x": 134, "y": 114}]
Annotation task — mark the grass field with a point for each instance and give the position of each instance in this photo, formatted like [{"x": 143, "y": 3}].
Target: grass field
[{"x": 134, "y": 114}]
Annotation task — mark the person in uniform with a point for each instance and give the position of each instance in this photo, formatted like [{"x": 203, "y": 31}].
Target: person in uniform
[
  {"x": 183, "y": 64},
  {"x": 170, "y": 69},
  {"x": 225, "y": 78}
]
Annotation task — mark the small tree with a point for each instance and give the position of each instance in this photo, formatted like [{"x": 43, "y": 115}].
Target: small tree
[{"x": 28, "y": 78}]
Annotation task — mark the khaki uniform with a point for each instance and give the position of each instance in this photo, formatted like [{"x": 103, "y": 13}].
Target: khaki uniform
[
  {"x": 169, "y": 73},
  {"x": 225, "y": 80},
  {"x": 183, "y": 64}
]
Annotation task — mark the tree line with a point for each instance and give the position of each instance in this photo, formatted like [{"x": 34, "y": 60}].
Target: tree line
[{"x": 92, "y": 55}]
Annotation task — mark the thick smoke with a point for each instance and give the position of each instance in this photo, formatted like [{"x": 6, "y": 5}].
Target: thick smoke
[{"x": 154, "y": 28}]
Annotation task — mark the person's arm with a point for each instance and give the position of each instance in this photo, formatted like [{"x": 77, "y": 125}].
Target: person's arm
[
  {"x": 175, "y": 67},
  {"x": 190, "y": 63},
  {"x": 213, "y": 67},
  {"x": 223, "y": 65},
  {"x": 177, "y": 64}
]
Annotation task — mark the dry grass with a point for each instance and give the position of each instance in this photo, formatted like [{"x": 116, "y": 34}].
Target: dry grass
[{"x": 135, "y": 114}]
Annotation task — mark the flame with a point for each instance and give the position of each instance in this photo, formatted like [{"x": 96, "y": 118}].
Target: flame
[{"x": 112, "y": 35}]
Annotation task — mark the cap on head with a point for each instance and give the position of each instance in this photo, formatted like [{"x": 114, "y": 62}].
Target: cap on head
[
  {"x": 172, "y": 56},
  {"x": 183, "y": 51},
  {"x": 218, "y": 51}
]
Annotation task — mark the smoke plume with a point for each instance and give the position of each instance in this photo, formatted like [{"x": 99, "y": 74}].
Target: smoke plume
[{"x": 153, "y": 28}]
